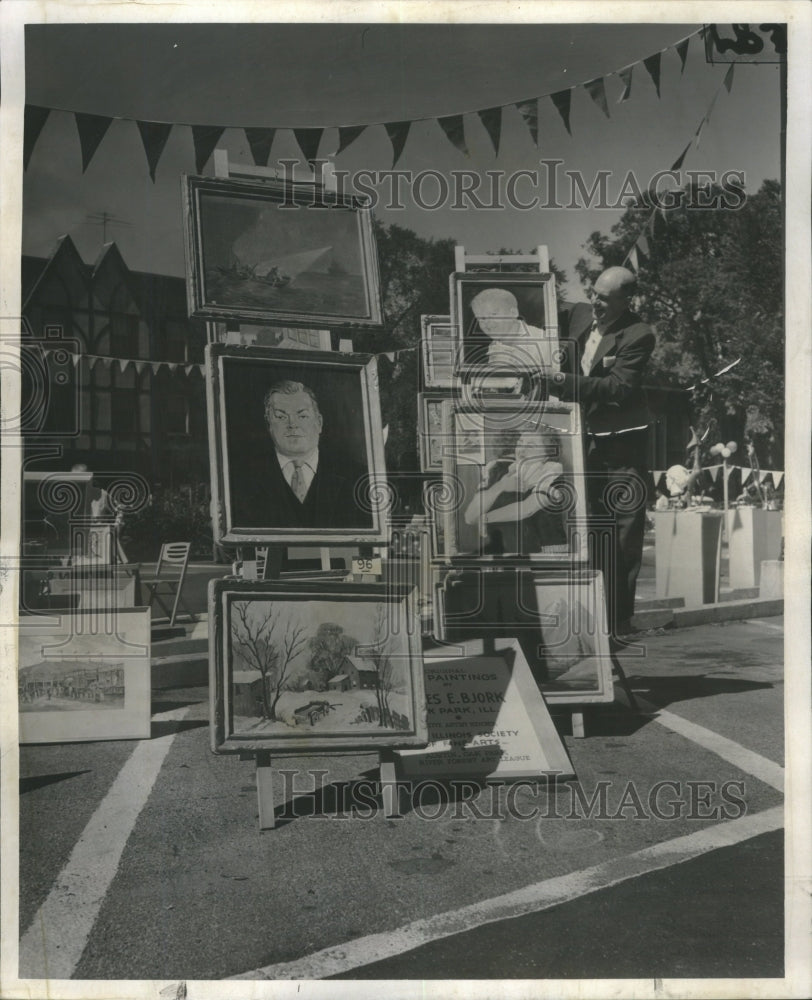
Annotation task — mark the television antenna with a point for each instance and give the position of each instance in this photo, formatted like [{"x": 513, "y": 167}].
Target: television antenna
[{"x": 105, "y": 219}]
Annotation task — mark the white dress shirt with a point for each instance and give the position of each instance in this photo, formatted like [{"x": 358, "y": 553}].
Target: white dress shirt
[
  {"x": 309, "y": 465},
  {"x": 590, "y": 347}
]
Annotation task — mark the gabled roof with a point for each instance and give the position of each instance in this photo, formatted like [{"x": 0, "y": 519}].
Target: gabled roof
[{"x": 65, "y": 247}]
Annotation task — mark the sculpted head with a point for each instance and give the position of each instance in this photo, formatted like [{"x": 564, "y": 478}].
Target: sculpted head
[
  {"x": 293, "y": 417},
  {"x": 496, "y": 310},
  {"x": 612, "y": 294}
]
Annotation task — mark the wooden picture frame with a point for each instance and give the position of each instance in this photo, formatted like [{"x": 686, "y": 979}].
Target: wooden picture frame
[
  {"x": 430, "y": 430},
  {"x": 522, "y": 331},
  {"x": 252, "y": 501},
  {"x": 439, "y": 345},
  {"x": 315, "y": 667},
  {"x": 78, "y": 681},
  {"x": 511, "y": 506},
  {"x": 268, "y": 251}
]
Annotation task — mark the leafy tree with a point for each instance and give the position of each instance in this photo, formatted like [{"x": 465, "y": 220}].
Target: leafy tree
[
  {"x": 712, "y": 285},
  {"x": 328, "y": 647}
]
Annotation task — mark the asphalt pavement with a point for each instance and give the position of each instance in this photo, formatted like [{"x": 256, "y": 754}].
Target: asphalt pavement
[{"x": 143, "y": 860}]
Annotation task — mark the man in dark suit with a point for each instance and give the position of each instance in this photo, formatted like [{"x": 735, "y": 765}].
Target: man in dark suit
[
  {"x": 606, "y": 352},
  {"x": 290, "y": 482}
]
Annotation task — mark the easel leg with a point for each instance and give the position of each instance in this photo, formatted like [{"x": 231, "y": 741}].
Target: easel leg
[
  {"x": 624, "y": 683},
  {"x": 578, "y": 725},
  {"x": 389, "y": 785},
  {"x": 267, "y": 819}
]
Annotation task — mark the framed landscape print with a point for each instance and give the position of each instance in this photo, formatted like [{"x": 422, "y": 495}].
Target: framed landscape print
[
  {"x": 279, "y": 252},
  {"x": 314, "y": 666},
  {"x": 439, "y": 349},
  {"x": 516, "y": 471},
  {"x": 430, "y": 430},
  {"x": 295, "y": 446},
  {"x": 84, "y": 675},
  {"x": 505, "y": 322}
]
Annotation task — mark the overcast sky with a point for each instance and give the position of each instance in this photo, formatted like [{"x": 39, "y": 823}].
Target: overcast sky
[{"x": 323, "y": 75}]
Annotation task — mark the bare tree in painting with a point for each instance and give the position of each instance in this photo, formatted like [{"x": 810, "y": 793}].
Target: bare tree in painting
[
  {"x": 269, "y": 645},
  {"x": 380, "y": 653}
]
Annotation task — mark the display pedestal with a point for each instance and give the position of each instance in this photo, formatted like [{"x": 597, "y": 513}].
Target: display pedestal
[
  {"x": 753, "y": 535},
  {"x": 688, "y": 547}
]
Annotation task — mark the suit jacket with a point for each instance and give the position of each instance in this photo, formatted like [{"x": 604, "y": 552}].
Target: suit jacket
[
  {"x": 612, "y": 393},
  {"x": 262, "y": 498}
]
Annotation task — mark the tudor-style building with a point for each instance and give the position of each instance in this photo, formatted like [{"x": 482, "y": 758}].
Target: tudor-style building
[{"x": 131, "y": 394}]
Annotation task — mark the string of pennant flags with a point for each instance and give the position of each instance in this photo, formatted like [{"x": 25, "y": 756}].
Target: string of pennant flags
[
  {"x": 92, "y": 128},
  {"x": 640, "y": 247},
  {"x": 747, "y": 474},
  {"x": 139, "y": 364}
]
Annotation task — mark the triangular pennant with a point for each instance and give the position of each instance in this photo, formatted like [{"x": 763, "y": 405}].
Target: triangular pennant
[
  {"x": 529, "y": 110},
  {"x": 155, "y": 366},
  {"x": 189, "y": 369},
  {"x": 713, "y": 472},
  {"x": 728, "y": 80},
  {"x": 597, "y": 91},
  {"x": 642, "y": 245},
  {"x": 682, "y": 52},
  {"x": 107, "y": 362},
  {"x": 745, "y": 479},
  {"x": 390, "y": 355},
  {"x": 652, "y": 64},
  {"x": 778, "y": 478},
  {"x": 154, "y": 136},
  {"x": 171, "y": 365},
  {"x": 140, "y": 366},
  {"x": 562, "y": 100},
  {"x": 398, "y": 133},
  {"x": 35, "y": 118},
  {"x": 309, "y": 139},
  {"x": 681, "y": 158},
  {"x": 91, "y": 129},
  {"x": 260, "y": 140},
  {"x": 348, "y": 134},
  {"x": 763, "y": 475},
  {"x": 633, "y": 259},
  {"x": 76, "y": 358},
  {"x": 454, "y": 130},
  {"x": 205, "y": 138},
  {"x": 124, "y": 364},
  {"x": 91, "y": 361},
  {"x": 491, "y": 118},
  {"x": 626, "y": 78}
]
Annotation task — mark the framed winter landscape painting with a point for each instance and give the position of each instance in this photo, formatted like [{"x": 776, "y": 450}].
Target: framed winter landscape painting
[
  {"x": 84, "y": 675},
  {"x": 279, "y": 252},
  {"x": 314, "y": 666}
]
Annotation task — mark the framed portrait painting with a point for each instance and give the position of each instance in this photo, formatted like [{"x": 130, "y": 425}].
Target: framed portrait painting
[
  {"x": 295, "y": 446},
  {"x": 84, "y": 675},
  {"x": 516, "y": 471},
  {"x": 316, "y": 666},
  {"x": 505, "y": 322},
  {"x": 279, "y": 252}
]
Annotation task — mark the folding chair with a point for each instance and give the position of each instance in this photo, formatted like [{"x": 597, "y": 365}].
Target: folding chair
[
  {"x": 169, "y": 576},
  {"x": 261, "y": 555}
]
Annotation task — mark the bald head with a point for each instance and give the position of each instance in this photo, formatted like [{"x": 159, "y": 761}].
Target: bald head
[
  {"x": 612, "y": 293},
  {"x": 496, "y": 310}
]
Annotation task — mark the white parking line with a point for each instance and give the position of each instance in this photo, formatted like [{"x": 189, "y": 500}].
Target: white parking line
[
  {"x": 53, "y": 944},
  {"x": 530, "y": 899},
  {"x": 764, "y": 624}
]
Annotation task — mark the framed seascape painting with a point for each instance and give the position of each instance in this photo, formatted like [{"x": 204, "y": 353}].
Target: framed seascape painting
[
  {"x": 314, "y": 666},
  {"x": 505, "y": 322},
  {"x": 295, "y": 446},
  {"x": 84, "y": 675},
  {"x": 279, "y": 252},
  {"x": 516, "y": 471},
  {"x": 439, "y": 350}
]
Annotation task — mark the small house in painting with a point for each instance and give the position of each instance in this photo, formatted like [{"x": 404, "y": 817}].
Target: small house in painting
[
  {"x": 355, "y": 672},
  {"x": 247, "y": 696}
]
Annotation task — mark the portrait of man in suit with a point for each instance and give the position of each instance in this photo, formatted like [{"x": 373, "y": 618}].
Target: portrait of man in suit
[
  {"x": 291, "y": 481},
  {"x": 607, "y": 351}
]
